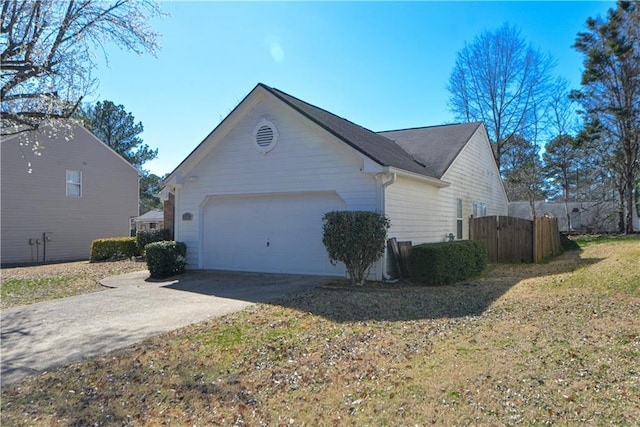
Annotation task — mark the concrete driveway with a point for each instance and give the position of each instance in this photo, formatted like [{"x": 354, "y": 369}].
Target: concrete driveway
[{"x": 42, "y": 336}]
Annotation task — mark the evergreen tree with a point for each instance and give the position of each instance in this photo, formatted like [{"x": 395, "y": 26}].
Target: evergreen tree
[
  {"x": 610, "y": 96},
  {"x": 117, "y": 128}
]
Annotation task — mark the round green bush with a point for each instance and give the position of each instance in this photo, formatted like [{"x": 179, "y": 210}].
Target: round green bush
[{"x": 166, "y": 258}]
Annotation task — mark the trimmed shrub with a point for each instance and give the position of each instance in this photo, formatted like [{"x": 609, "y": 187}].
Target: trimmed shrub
[
  {"x": 355, "y": 238},
  {"x": 445, "y": 263},
  {"x": 166, "y": 258},
  {"x": 113, "y": 248},
  {"x": 144, "y": 237}
]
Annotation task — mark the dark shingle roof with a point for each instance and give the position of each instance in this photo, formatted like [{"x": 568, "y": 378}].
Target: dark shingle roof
[
  {"x": 375, "y": 146},
  {"x": 435, "y": 146},
  {"x": 427, "y": 151}
]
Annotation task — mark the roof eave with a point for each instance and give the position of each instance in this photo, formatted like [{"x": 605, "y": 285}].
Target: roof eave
[
  {"x": 323, "y": 126},
  {"x": 424, "y": 178}
]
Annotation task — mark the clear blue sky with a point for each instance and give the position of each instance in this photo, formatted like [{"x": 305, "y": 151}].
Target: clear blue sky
[{"x": 382, "y": 65}]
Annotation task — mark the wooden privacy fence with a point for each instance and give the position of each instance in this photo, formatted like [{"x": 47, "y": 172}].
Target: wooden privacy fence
[
  {"x": 510, "y": 239},
  {"x": 546, "y": 238}
]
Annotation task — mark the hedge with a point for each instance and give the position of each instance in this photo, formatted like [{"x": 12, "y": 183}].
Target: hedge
[
  {"x": 144, "y": 237},
  {"x": 445, "y": 263},
  {"x": 113, "y": 248},
  {"x": 166, "y": 258}
]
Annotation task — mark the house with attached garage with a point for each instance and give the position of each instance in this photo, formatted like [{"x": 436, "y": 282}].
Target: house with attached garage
[
  {"x": 252, "y": 195},
  {"x": 56, "y": 200}
]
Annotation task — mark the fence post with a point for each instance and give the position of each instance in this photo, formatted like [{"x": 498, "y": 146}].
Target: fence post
[{"x": 534, "y": 239}]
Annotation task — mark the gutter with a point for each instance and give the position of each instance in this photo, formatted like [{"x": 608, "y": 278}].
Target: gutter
[
  {"x": 427, "y": 179},
  {"x": 383, "y": 188}
]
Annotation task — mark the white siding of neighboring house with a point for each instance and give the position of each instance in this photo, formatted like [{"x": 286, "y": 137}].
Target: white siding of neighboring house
[
  {"x": 590, "y": 217},
  {"x": 36, "y": 202},
  {"x": 306, "y": 159},
  {"x": 149, "y": 225},
  {"x": 422, "y": 213}
]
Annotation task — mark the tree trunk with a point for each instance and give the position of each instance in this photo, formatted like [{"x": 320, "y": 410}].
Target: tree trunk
[
  {"x": 629, "y": 203},
  {"x": 621, "y": 216}
]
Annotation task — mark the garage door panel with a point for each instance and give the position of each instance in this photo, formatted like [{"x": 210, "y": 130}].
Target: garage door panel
[{"x": 277, "y": 234}]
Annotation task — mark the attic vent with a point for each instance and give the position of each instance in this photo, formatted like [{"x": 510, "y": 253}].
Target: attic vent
[{"x": 265, "y": 136}]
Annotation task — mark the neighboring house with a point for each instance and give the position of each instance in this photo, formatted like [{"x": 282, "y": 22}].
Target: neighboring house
[
  {"x": 151, "y": 220},
  {"x": 55, "y": 204},
  {"x": 252, "y": 195},
  {"x": 587, "y": 217}
]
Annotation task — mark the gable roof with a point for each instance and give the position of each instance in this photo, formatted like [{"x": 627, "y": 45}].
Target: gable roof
[
  {"x": 435, "y": 146},
  {"x": 76, "y": 128},
  {"x": 152, "y": 215},
  {"x": 427, "y": 151},
  {"x": 375, "y": 146}
]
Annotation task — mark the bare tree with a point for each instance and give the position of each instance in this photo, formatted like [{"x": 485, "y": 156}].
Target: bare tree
[
  {"x": 47, "y": 53},
  {"x": 561, "y": 157},
  {"x": 523, "y": 179},
  {"x": 561, "y": 116},
  {"x": 560, "y": 167},
  {"x": 504, "y": 82}
]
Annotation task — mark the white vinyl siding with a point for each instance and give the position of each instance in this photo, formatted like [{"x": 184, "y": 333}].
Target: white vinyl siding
[
  {"x": 416, "y": 211},
  {"x": 74, "y": 183},
  {"x": 306, "y": 160}
]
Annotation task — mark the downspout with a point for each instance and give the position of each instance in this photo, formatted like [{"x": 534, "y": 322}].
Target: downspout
[
  {"x": 46, "y": 237},
  {"x": 383, "y": 190}
]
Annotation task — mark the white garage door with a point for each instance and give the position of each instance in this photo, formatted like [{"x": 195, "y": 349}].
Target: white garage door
[{"x": 274, "y": 234}]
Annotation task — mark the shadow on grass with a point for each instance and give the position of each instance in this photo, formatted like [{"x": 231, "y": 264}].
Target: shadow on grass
[
  {"x": 428, "y": 302},
  {"x": 338, "y": 301}
]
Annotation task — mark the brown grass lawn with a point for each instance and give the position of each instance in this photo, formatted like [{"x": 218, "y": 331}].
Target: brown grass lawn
[
  {"x": 27, "y": 285},
  {"x": 549, "y": 344}
]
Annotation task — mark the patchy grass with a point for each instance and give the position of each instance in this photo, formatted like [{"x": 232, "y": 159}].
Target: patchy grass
[
  {"x": 587, "y": 239},
  {"x": 550, "y": 344},
  {"x": 27, "y": 285}
]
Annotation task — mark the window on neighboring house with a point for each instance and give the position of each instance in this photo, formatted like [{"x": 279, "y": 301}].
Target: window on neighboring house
[
  {"x": 152, "y": 225},
  {"x": 475, "y": 209},
  {"x": 483, "y": 209},
  {"x": 74, "y": 183},
  {"x": 459, "y": 220}
]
